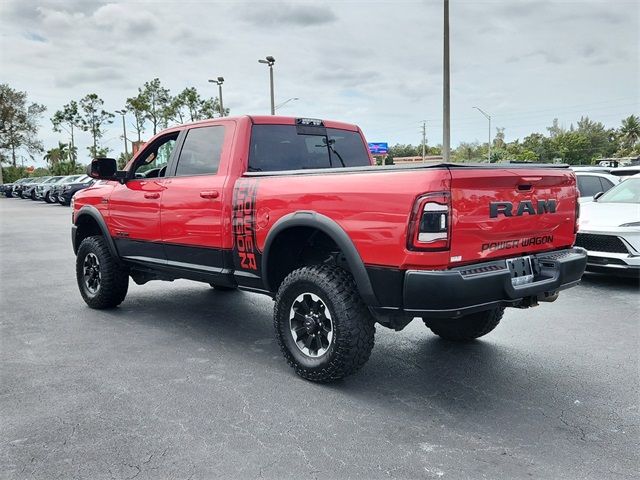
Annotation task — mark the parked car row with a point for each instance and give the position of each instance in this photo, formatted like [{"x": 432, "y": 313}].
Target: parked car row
[{"x": 54, "y": 189}]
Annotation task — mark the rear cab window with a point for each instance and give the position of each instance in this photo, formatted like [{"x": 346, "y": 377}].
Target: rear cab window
[{"x": 300, "y": 147}]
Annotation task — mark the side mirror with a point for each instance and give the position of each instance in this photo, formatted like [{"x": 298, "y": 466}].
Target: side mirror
[
  {"x": 597, "y": 196},
  {"x": 102, "y": 168}
]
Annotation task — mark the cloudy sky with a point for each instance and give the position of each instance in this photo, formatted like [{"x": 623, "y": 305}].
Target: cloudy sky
[{"x": 374, "y": 63}]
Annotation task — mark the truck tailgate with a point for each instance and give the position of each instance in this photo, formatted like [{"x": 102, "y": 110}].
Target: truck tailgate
[{"x": 510, "y": 212}]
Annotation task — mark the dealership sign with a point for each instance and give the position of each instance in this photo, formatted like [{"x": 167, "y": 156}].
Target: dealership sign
[{"x": 379, "y": 148}]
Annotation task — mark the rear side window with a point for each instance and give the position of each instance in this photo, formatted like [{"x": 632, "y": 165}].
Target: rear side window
[
  {"x": 200, "y": 154},
  {"x": 606, "y": 184},
  {"x": 283, "y": 147},
  {"x": 589, "y": 185}
]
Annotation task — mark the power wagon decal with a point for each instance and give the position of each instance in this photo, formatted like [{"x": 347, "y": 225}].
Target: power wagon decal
[{"x": 246, "y": 255}]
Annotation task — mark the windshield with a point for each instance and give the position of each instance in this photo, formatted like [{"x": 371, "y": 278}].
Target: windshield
[
  {"x": 285, "y": 147},
  {"x": 625, "y": 192},
  {"x": 71, "y": 179}
]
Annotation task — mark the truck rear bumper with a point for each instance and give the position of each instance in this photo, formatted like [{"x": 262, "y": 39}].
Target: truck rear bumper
[{"x": 463, "y": 290}]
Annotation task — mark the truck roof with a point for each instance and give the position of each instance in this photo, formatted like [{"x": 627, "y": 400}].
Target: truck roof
[{"x": 268, "y": 120}]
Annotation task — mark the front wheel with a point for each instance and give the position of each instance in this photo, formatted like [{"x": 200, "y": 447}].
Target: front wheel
[
  {"x": 323, "y": 327},
  {"x": 102, "y": 282},
  {"x": 47, "y": 198},
  {"x": 468, "y": 327}
]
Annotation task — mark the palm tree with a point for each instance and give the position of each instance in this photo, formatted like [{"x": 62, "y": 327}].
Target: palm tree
[
  {"x": 64, "y": 151},
  {"x": 53, "y": 156},
  {"x": 630, "y": 131}
]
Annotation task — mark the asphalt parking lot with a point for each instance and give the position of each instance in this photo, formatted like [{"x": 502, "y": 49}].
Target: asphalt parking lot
[{"x": 186, "y": 382}]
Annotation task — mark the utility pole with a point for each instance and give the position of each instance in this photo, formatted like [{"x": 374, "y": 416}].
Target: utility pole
[
  {"x": 446, "y": 113},
  {"x": 488, "y": 117},
  {"x": 269, "y": 60},
  {"x": 124, "y": 131},
  {"x": 424, "y": 140}
]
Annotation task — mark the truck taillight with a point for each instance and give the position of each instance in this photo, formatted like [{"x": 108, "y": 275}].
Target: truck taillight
[
  {"x": 429, "y": 227},
  {"x": 576, "y": 225}
]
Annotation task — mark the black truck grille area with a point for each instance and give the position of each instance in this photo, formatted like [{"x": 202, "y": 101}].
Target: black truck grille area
[{"x": 601, "y": 243}]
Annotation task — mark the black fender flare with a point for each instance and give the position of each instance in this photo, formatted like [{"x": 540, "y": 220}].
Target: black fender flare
[
  {"x": 94, "y": 213},
  {"x": 337, "y": 234}
]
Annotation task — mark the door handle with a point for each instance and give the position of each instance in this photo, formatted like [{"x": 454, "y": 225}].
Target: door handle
[
  {"x": 152, "y": 195},
  {"x": 209, "y": 194}
]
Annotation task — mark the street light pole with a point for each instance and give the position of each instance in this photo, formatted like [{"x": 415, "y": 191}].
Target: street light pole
[
  {"x": 488, "y": 117},
  {"x": 446, "y": 113},
  {"x": 269, "y": 60},
  {"x": 124, "y": 131},
  {"x": 219, "y": 81}
]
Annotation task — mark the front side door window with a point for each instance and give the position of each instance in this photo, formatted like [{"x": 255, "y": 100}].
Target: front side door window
[{"x": 154, "y": 159}]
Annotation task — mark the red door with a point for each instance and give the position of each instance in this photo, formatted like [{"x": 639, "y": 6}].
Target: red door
[
  {"x": 192, "y": 202},
  {"x": 134, "y": 207}
]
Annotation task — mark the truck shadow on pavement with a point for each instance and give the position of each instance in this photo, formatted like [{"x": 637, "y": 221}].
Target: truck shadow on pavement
[{"x": 407, "y": 370}]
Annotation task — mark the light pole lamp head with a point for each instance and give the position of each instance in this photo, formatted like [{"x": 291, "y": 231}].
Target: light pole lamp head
[
  {"x": 268, "y": 60},
  {"x": 121, "y": 112},
  {"x": 220, "y": 80}
]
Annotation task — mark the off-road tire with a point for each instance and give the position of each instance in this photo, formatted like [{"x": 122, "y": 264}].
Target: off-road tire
[
  {"x": 222, "y": 288},
  {"x": 467, "y": 328},
  {"x": 113, "y": 282},
  {"x": 352, "y": 324}
]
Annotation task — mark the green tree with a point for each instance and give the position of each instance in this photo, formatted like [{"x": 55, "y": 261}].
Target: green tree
[
  {"x": 10, "y": 174},
  {"x": 402, "y": 150},
  {"x": 599, "y": 139},
  {"x": 467, "y": 151},
  {"x": 210, "y": 108},
  {"x": 539, "y": 145},
  {"x": 58, "y": 154},
  {"x": 555, "y": 129},
  {"x": 571, "y": 146},
  {"x": 68, "y": 119},
  {"x": 630, "y": 132},
  {"x": 157, "y": 103},
  {"x": 138, "y": 107},
  {"x": 123, "y": 159},
  {"x": 498, "y": 140},
  {"x": 18, "y": 126},
  {"x": 94, "y": 119}
]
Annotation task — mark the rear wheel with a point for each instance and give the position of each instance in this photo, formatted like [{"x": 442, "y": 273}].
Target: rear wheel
[
  {"x": 102, "y": 282},
  {"x": 468, "y": 327},
  {"x": 323, "y": 327}
]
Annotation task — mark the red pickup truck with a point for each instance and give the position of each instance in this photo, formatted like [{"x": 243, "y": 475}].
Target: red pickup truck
[{"x": 294, "y": 208}]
